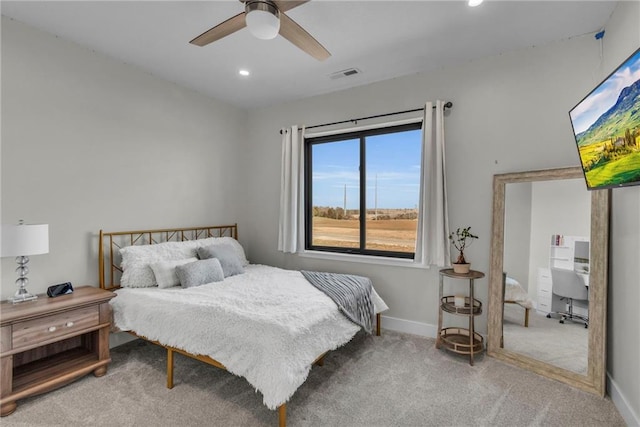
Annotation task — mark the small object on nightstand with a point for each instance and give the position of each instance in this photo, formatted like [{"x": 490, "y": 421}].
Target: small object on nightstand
[{"x": 61, "y": 289}]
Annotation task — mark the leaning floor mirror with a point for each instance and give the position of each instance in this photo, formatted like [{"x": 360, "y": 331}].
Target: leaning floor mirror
[{"x": 548, "y": 276}]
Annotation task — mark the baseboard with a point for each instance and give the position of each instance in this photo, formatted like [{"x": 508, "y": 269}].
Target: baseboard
[
  {"x": 408, "y": 326},
  {"x": 621, "y": 403}
]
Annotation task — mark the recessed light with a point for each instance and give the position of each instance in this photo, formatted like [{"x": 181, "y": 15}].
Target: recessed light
[
  {"x": 244, "y": 73},
  {"x": 474, "y": 3}
]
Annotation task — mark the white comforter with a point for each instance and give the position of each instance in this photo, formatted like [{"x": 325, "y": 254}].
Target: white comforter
[{"x": 267, "y": 325}]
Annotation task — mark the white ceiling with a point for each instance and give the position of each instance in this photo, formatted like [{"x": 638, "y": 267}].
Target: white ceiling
[{"x": 383, "y": 39}]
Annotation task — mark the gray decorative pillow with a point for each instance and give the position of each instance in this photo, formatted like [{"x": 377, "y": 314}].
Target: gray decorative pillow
[
  {"x": 165, "y": 271},
  {"x": 237, "y": 247},
  {"x": 229, "y": 259},
  {"x": 199, "y": 272}
]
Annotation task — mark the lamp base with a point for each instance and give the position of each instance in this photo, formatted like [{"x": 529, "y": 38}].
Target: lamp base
[
  {"x": 22, "y": 298},
  {"x": 22, "y": 295}
]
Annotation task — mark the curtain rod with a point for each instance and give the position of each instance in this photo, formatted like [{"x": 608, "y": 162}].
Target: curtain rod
[{"x": 448, "y": 104}]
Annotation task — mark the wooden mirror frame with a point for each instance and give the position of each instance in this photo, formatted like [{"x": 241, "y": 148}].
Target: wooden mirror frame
[{"x": 594, "y": 380}]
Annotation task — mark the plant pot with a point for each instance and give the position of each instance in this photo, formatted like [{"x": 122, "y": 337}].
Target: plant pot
[{"x": 461, "y": 268}]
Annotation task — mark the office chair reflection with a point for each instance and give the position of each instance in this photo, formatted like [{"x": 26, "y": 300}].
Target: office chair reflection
[{"x": 568, "y": 285}]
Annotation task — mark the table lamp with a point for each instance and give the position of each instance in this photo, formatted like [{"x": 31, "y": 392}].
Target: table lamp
[{"x": 21, "y": 241}]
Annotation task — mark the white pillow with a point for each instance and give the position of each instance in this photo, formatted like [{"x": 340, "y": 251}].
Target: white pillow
[
  {"x": 136, "y": 260},
  {"x": 165, "y": 271}
]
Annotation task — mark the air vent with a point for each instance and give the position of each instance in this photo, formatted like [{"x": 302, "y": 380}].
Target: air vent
[{"x": 344, "y": 73}]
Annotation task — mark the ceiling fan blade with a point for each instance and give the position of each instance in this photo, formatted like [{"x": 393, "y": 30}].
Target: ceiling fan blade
[
  {"x": 284, "y": 5},
  {"x": 293, "y": 32},
  {"x": 227, "y": 27}
]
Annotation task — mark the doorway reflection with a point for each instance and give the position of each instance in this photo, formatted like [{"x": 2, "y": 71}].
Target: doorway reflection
[{"x": 547, "y": 225}]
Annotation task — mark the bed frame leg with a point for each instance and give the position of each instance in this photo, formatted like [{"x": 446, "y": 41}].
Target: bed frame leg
[
  {"x": 378, "y": 324},
  {"x": 526, "y": 317},
  {"x": 282, "y": 415},
  {"x": 169, "y": 368}
]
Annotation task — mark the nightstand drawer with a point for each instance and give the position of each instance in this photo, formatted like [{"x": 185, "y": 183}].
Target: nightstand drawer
[
  {"x": 544, "y": 306},
  {"x": 46, "y": 328},
  {"x": 544, "y": 300}
]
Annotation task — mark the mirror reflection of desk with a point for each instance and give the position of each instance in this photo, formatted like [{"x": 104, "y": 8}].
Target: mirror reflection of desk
[
  {"x": 584, "y": 277},
  {"x": 581, "y": 260},
  {"x": 567, "y": 253},
  {"x": 549, "y": 302},
  {"x": 582, "y": 307}
]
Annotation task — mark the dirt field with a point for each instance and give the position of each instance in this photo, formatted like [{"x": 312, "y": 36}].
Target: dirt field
[{"x": 393, "y": 235}]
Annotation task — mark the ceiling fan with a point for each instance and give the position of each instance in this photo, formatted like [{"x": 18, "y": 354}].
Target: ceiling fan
[{"x": 265, "y": 20}]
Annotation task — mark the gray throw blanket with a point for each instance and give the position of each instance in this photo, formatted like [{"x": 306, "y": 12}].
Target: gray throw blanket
[{"x": 352, "y": 294}]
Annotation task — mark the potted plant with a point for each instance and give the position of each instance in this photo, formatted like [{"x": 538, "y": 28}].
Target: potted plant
[{"x": 461, "y": 239}]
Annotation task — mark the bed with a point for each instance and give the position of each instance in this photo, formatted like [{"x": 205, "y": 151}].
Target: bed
[
  {"x": 266, "y": 324},
  {"x": 514, "y": 293}
]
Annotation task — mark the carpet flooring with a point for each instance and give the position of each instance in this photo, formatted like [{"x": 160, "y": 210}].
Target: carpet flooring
[
  {"x": 565, "y": 345},
  {"x": 392, "y": 380}
]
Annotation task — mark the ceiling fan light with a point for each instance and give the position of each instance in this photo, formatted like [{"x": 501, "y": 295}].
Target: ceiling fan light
[{"x": 263, "y": 19}]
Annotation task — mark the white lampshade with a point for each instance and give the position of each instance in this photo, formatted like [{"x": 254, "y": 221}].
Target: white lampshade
[
  {"x": 263, "y": 20},
  {"x": 24, "y": 239}
]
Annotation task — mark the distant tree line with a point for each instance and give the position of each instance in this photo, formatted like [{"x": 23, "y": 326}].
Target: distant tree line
[
  {"x": 333, "y": 213},
  {"x": 413, "y": 214},
  {"x": 380, "y": 214}
]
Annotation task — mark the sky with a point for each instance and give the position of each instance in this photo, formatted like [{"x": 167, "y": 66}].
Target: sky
[
  {"x": 393, "y": 167},
  {"x": 605, "y": 95}
]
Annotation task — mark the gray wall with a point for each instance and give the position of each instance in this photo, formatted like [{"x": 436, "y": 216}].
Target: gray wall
[
  {"x": 621, "y": 40},
  {"x": 517, "y": 232},
  {"x": 559, "y": 207},
  {"x": 510, "y": 114},
  {"x": 533, "y": 213},
  {"x": 90, "y": 143}
]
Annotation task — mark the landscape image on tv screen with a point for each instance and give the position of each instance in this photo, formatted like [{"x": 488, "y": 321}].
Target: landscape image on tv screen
[{"x": 606, "y": 125}]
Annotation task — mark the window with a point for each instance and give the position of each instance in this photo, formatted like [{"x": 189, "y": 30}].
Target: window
[{"x": 362, "y": 191}]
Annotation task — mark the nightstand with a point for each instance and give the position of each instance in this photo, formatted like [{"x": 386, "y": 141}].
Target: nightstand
[{"x": 50, "y": 342}]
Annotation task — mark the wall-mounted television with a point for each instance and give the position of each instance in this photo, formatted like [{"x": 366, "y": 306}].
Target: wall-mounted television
[{"x": 606, "y": 126}]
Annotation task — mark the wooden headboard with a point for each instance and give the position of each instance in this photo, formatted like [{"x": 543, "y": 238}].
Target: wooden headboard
[{"x": 111, "y": 242}]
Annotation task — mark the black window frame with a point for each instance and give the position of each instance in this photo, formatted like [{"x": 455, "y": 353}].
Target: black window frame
[{"x": 308, "y": 189}]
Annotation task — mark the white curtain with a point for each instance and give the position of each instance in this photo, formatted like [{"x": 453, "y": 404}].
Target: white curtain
[
  {"x": 432, "y": 245},
  {"x": 291, "y": 188}
]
